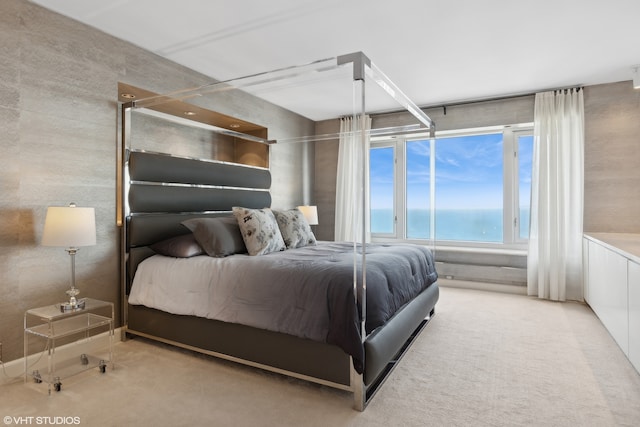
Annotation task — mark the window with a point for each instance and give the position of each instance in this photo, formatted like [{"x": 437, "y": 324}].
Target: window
[
  {"x": 382, "y": 182},
  {"x": 418, "y": 189},
  {"x": 469, "y": 188},
  {"x": 479, "y": 182},
  {"x": 525, "y": 158}
]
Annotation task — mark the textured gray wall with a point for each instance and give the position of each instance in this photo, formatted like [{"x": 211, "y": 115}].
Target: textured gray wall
[
  {"x": 326, "y": 166},
  {"x": 58, "y": 118},
  {"x": 612, "y": 158}
]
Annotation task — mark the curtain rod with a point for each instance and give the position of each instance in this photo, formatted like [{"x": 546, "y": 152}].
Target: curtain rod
[
  {"x": 479, "y": 100},
  {"x": 501, "y": 98},
  {"x": 456, "y": 104}
]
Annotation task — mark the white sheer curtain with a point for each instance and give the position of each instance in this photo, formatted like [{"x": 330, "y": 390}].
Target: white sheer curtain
[
  {"x": 352, "y": 162},
  {"x": 554, "y": 265}
]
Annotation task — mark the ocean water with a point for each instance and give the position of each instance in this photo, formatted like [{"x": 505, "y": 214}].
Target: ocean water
[{"x": 474, "y": 225}]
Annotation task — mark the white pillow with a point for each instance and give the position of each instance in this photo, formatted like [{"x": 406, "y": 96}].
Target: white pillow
[{"x": 259, "y": 230}]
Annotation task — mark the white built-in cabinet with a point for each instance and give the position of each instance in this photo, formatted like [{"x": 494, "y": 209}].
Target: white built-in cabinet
[
  {"x": 634, "y": 314},
  {"x": 612, "y": 287}
]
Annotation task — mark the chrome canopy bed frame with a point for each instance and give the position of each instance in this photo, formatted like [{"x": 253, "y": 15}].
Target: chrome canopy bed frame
[{"x": 157, "y": 190}]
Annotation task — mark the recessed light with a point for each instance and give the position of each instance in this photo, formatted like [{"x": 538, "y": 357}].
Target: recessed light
[
  {"x": 127, "y": 95},
  {"x": 189, "y": 113},
  {"x": 234, "y": 125}
]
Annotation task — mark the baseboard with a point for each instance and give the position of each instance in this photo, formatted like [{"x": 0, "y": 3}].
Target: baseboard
[
  {"x": 13, "y": 371},
  {"x": 482, "y": 286}
]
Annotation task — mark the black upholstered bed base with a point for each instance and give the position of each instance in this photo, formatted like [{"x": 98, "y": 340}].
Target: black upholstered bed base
[
  {"x": 302, "y": 357},
  {"x": 243, "y": 343}
]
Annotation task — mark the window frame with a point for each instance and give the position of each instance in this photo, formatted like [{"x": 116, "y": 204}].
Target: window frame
[
  {"x": 511, "y": 199},
  {"x": 397, "y": 182}
]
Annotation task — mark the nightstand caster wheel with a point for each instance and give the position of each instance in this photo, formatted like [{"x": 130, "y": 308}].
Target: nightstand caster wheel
[
  {"x": 103, "y": 366},
  {"x": 57, "y": 385}
]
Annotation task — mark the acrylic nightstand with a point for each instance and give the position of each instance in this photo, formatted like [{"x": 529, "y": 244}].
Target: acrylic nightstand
[{"x": 86, "y": 336}]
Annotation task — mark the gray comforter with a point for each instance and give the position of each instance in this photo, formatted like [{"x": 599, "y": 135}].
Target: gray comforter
[{"x": 307, "y": 292}]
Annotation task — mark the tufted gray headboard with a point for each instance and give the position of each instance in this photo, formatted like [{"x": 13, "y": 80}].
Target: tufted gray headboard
[{"x": 164, "y": 190}]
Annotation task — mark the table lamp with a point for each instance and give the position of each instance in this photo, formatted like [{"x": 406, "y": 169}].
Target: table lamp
[
  {"x": 70, "y": 227},
  {"x": 310, "y": 213}
]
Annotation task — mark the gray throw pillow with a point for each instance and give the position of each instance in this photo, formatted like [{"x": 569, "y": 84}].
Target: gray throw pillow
[
  {"x": 296, "y": 231},
  {"x": 183, "y": 246},
  {"x": 219, "y": 236},
  {"x": 259, "y": 230}
]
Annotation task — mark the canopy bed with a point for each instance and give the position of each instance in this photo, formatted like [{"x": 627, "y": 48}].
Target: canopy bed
[{"x": 337, "y": 313}]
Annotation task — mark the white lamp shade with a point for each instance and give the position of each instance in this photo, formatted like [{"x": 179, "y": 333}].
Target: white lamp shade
[
  {"x": 69, "y": 227},
  {"x": 310, "y": 213}
]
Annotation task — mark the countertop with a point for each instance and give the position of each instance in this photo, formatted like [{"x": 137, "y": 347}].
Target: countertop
[{"x": 626, "y": 244}]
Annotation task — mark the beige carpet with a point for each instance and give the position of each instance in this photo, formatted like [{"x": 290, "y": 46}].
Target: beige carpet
[{"x": 486, "y": 359}]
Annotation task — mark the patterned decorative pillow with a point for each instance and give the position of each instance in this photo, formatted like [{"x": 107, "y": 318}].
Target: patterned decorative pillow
[
  {"x": 259, "y": 230},
  {"x": 296, "y": 231}
]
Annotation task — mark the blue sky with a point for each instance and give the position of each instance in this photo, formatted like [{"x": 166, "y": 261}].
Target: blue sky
[{"x": 468, "y": 173}]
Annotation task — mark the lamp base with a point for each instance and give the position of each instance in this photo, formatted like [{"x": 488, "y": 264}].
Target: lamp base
[{"x": 68, "y": 306}]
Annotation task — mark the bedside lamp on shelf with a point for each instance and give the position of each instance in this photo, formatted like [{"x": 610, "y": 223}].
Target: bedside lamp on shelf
[
  {"x": 70, "y": 227},
  {"x": 310, "y": 213}
]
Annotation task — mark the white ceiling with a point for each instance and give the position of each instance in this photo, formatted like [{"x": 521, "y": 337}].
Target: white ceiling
[{"x": 436, "y": 51}]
